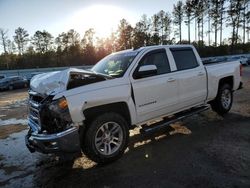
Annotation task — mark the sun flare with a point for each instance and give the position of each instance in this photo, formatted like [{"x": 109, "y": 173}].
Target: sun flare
[{"x": 102, "y": 18}]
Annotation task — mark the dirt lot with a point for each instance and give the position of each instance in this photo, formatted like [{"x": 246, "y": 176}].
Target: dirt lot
[{"x": 203, "y": 151}]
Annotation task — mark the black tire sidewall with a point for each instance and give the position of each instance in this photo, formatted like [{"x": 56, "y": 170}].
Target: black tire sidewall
[
  {"x": 89, "y": 147},
  {"x": 217, "y": 104}
]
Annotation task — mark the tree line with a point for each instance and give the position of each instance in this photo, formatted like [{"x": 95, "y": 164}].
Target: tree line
[{"x": 202, "y": 19}]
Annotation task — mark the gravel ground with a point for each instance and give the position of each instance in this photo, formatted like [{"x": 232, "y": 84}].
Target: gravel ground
[{"x": 205, "y": 150}]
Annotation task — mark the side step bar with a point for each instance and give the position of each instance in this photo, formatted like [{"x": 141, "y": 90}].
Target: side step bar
[{"x": 177, "y": 117}]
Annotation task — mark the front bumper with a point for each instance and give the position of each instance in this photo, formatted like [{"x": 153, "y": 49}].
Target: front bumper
[{"x": 63, "y": 142}]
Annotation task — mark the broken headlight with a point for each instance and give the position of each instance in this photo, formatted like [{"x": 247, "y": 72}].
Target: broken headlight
[{"x": 56, "y": 116}]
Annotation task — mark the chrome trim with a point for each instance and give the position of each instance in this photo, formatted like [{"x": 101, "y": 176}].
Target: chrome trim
[
  {"x": 34, "y": 112},
  {"x": 33, "y": 125},
  {"x": 33, "y": 104},
  {"x": 34, "y": 109},
  {"x": 33, "y": 117},
  {"x": 54, "y": 136},
  {"x": 32, "y": 92},
  {"x": 66, "y": 141}
]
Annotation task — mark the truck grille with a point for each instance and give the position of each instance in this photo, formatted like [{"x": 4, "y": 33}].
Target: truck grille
[{"x": 34, "y": 111}]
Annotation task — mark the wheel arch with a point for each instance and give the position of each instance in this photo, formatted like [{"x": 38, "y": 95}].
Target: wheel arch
[
  {"x": 118, "y": 107},
  {"x": 226, "y": 80}
]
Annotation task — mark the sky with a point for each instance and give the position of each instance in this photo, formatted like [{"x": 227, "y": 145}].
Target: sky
[{"x": 58, "y": 16}]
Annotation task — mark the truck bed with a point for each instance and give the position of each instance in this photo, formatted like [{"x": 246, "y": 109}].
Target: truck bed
[{"x": 217, "y": 71}]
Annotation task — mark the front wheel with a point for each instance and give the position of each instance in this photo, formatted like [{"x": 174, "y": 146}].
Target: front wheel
[
  {"x": 106, "y": 138},
  {"x": 224, "y": 100}
]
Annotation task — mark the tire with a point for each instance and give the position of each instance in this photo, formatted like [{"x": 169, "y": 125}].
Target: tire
[
  {"x": 25, "y": 85},
  {"x": 224, "y": 100},
  {"x": 10, "y": 87},
  {"x": 98, "y": 142}
]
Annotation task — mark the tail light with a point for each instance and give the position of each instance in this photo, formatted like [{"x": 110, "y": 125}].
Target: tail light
[{"x": 241, "y": 69}]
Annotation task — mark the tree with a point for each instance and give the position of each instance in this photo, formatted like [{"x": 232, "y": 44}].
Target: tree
[
  {"x": 139, "y": 36},
  {"x": 188, "y": 8},
  {"x": 4, "y": 39},
  {"x": 198, "y": 9},
  {"x": 221, "y": 18},
  {"x": 165, "y": 26},
  {"x": 88, "y": 38},
  {"x": 146, "y": 23},
  {"x": 111, "y": 44},
  {"x": 234, "y": 18},
  {"x": 245, "y": 19},
  {"x": 215, "y": 15},
  {"x": 88, "y": 46},
  {"x": 208, "y": 13},
  {"x": 161, "y": 16},
  {"x": 11, "y": 46},
  {"x": 42, "y": 40},
  {"x": 73, "y": 37},
  {"x": 21, "y": 39},
  {"x": 141, "y": 33},
  {"x": 178, "y": 18},
  {"x": 155, "y": 30},
  {"x": 125, "y": 33}
]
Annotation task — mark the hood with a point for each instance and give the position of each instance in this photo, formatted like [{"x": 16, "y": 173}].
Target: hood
[{"x": 55, "y": 82}]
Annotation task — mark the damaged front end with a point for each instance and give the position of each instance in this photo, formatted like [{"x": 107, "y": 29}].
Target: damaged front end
[{"x": 51, "y": 127}]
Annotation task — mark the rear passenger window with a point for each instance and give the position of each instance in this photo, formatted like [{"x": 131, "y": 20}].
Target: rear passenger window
[
  {"x": 184, "y": 58},
  {"x": 159, "y": 59}
]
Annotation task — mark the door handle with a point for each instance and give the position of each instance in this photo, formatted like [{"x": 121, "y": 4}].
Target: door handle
[
  {"x": 171, "y": 79},
  {"x": 200, "y": 73}
]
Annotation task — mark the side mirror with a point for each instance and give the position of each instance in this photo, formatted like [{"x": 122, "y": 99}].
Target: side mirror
[{"x": 146, "y": 71}]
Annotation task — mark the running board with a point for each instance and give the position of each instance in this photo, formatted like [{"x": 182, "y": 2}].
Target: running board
[{"x": 177, "y": 117}]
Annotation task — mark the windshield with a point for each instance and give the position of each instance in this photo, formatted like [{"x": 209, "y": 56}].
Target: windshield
[{"x": 115, "y": 65}]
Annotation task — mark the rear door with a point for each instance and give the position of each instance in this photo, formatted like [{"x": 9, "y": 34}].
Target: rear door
[
  {"x": 154, "y": 95},
  {"x": 191, "y": 77}
]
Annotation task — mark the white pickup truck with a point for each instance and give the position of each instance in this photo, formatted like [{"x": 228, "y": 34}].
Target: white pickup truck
[{"x": 92, "y": 111}]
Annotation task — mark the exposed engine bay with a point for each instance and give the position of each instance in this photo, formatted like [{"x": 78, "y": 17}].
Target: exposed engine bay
[
  {"x": 56, "y": 82},
  {"x": 80, "y": 79},
  {"x": 53, "y": 115}
]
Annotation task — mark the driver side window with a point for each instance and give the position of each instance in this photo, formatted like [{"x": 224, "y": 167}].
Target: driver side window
[{"x": 159, "y": 59}]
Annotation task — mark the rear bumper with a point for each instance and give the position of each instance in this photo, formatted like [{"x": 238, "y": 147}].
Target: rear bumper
[{"x": 63, "y": 142}]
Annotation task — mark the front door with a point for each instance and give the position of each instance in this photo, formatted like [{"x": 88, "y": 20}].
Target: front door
[{"x": 158, "y": 94}]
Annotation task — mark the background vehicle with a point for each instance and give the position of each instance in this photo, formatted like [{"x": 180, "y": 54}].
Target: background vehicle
[
  {"x": 30, "y": 76},
  {"x": 13, "y": 82},
  {"x": 243, "y": 60},
  {"x": 2, "y": 77},
  {"x": 94, "y": 110}
]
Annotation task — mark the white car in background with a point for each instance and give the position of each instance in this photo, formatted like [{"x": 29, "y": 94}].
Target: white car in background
[{"x": 242, "y": 59}]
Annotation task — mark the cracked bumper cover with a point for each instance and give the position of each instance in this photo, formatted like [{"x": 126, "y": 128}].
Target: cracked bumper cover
[{"x": 64, "y": 142}]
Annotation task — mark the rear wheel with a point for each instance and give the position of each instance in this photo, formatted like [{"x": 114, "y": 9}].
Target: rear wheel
[
  {"x": 106, "y": 138},
  {"x": 224, "y": 100}
]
